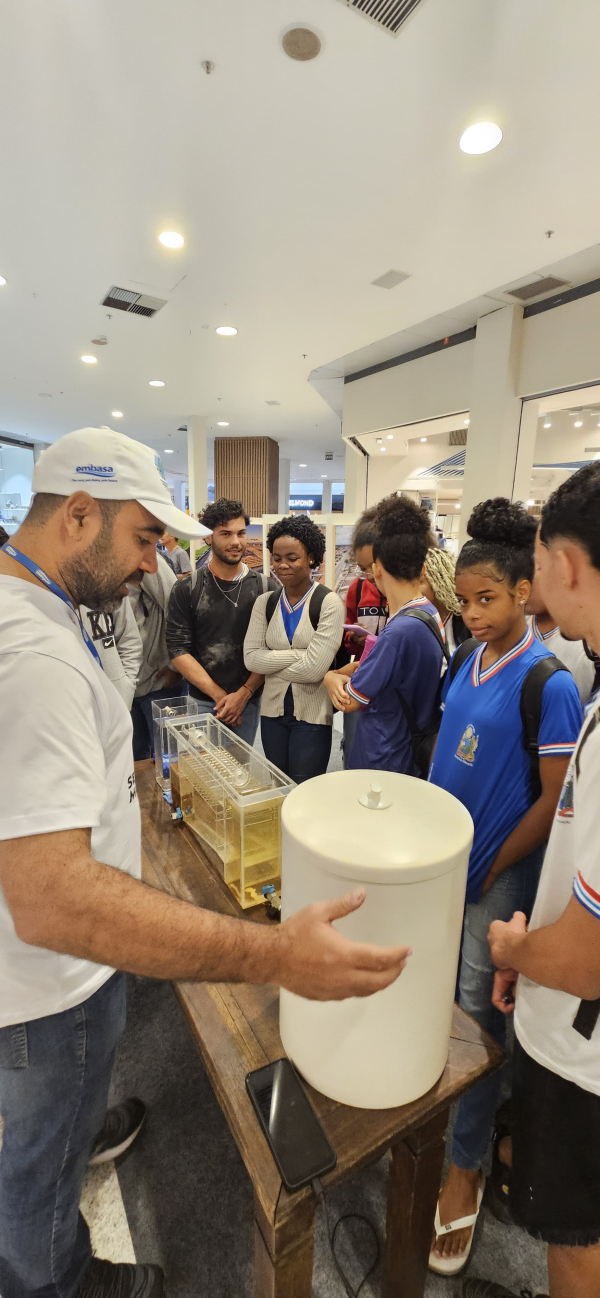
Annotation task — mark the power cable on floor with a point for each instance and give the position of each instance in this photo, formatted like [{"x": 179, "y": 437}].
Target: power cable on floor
[{"x": 331, "y": 1234}]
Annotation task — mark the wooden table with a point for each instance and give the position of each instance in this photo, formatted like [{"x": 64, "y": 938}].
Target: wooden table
[{"x": 236, "y": 1028}]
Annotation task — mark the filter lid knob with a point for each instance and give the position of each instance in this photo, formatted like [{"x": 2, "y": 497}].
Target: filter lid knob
[{"x": 375, "y": 799}]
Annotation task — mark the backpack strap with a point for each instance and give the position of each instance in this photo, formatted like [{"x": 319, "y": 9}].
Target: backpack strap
[
  {"x": 461, "y": 654},
  {"x": 198, "y": 578},
  {"x": 315, "y": 604},
  {"x": 422, "y": 615},
  {"x": 272, "y": 602},
  {"x": 532, "y": 691}
]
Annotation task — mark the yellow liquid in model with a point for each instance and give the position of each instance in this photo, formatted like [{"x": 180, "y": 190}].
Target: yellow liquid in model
[{"x": 247, "y": 839}]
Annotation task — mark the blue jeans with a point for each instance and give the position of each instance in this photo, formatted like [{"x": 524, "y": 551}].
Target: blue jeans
[
  {"x": 141, "y": 716},
  {"x": 249, "y": 719},
  {"x": 350, "y": 724},
  {"x": 54, "y": 1078},
  {"x": 300, "y": 749},
  {"x": 515, "y": 889}
]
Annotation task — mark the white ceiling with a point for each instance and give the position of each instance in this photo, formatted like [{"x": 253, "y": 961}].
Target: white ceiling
[{"x": 295, "y": 185}]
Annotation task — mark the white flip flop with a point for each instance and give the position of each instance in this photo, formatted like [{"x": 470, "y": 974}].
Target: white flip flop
[{"x": 453, "y": 1265}]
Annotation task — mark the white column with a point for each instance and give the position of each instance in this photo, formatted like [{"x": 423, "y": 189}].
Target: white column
[
  {"x": 283, "y": 496},
  {"x": 526, "y": 450},
  {"x": 180, "y": 494},
  {"x": 197, "y": 471},
  {"x": 326, "y": 502},
  {"x": 495, "y": 411},
  {"x": 355, "y": 480}
]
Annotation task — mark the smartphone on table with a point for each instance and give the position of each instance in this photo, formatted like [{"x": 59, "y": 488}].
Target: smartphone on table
[{"x": 296, "y": 1138}]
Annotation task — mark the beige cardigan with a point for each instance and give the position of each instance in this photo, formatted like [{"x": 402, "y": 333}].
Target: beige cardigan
[{"x": 302, "y": 665}]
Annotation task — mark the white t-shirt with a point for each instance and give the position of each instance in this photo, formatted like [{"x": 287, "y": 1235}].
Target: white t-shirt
[
  {"x": 543, "y": 1017},
  {"x": 67, "y": 764},
  {"x": 572, "y": 654}
]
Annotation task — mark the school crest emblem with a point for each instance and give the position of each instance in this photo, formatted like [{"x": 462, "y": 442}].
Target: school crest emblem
[{"x": 468, "y": 746}]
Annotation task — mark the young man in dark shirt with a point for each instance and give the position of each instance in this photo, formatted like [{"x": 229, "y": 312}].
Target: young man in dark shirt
[{"x": 209, "y": 613}]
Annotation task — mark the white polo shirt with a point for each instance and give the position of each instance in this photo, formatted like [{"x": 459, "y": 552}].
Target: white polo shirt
[
  {"x": 572, "y": 654},
  {"x": 67, "y": 763},
  {"x": 544, "y": 1018}
]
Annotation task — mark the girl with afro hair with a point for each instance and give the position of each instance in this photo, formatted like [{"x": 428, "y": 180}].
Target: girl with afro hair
[{"x": 291, "y": 641}]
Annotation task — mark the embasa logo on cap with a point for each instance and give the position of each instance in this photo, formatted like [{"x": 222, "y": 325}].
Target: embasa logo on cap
[
  {"x": 104, "y": 471},
  {"x": 158, "y": 463}
]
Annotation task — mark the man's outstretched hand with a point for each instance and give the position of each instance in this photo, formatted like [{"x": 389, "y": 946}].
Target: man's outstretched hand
[{"x": 318, "y": 962}]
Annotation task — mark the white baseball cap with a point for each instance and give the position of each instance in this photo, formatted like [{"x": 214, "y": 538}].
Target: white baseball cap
[{"x": 110, "y": 466}]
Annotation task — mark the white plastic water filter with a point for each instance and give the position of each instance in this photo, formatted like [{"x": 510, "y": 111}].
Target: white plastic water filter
[{"x": 407, "y": 843}]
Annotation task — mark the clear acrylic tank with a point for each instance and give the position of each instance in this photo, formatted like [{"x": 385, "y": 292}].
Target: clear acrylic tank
[
  {"x": 164, "y": 710},
  {"x": 231, "y": 796}
]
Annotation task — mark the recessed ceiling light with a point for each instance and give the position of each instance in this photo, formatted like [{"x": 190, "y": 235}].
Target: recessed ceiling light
[
  {"x": 466, "y": 421},
  {"x": 531, "y": 502},
  {"x": 171, "y": 239},
  {"x": 156, "y": 383},
  {"x": 323, "y": 475},
  {"x": 116, "y": 414},
  {"x": 480, "y": 138},
  {"x": 422, "y": 439},
  {"x": 168, "y": 450},
  {"x": 383, "y": 448},
  {"x": 578, "y": 423},
  {"x": 90, "y": 360},
  {"x": 390, "y": 437},
  {"x": 457, "y": 506},
  {"x": 2, "y": 280},
  {"x": 303, "y": 466},
  {"x": 222, "y": 424},
  {"x": 226, "y": 330},
  {"x": 548, "y": 424}
]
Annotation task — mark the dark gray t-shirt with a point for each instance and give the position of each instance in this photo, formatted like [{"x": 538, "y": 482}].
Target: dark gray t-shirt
[
  {"x": 210, "y": 620},
  {"x": 179, "y": 560}
]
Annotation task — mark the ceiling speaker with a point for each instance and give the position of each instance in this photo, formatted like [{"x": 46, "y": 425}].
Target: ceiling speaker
[{"x": 301, "y": 44}]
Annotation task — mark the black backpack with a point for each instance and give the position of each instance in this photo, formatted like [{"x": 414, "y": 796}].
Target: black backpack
[
  {"x": 532, "y": 691},
  {"x": 423, "y": 740},
  {"x": 315, "y": 604}
]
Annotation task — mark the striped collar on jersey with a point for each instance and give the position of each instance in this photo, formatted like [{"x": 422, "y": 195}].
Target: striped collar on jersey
[
  {"x": 479, "y": 677},
  {"x": 542, "y": 635},
  {"x": 293, "y": 608}
]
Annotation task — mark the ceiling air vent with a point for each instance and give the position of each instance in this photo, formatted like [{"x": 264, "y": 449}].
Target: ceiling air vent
[
  {"x": 549, "y": 284},
  {"x": 122, "y": 299},
  {"x": 388, "y": 13},
  {"x": 390, "y": 279}
]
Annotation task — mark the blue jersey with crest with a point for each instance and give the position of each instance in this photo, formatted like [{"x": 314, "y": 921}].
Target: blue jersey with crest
[{"x": 480, "y": 754}]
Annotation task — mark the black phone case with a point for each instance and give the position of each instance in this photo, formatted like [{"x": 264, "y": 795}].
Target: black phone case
[{"x": 255, "y": 1101}]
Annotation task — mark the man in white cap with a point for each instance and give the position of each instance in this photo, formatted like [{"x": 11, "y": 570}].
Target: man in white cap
[{"x": 72, "y": 907}]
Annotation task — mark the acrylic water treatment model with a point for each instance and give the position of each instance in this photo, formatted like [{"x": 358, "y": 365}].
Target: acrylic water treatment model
[
  {"x": 231, "y": 797},
  {"x": 407, "y": 843},
  {"x": 165, "y": 710}
]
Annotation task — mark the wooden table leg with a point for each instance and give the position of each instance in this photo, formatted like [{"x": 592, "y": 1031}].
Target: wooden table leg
[
  {"x": 283, "y": 1254},
  {"x": 414, "y": 1183}
]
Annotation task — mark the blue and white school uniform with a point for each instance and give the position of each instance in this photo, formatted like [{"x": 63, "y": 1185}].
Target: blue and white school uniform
[
  {"x": 406, "y": 660},
  {"x": 480, "y": 756}
]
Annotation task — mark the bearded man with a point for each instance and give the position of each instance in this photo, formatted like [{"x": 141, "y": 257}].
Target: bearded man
[{"x": 74, "y": 913}]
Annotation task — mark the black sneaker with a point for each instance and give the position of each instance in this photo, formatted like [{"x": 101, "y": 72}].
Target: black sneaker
[
  {"x": 488, "y": 1289},
  {"x": 121, "y": 1280},
  {"x": 121, "y": 1126}
]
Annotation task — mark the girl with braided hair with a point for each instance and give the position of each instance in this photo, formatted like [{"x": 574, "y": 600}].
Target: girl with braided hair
[{"x": 437, "y": 585}]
